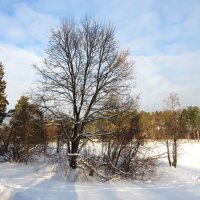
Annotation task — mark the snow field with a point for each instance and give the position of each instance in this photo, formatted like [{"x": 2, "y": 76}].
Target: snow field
[{"x": 38, "y": 181}]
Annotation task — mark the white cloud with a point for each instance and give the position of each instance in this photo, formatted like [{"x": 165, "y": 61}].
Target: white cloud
[
  {"x": 159, "y": 75},
  {"x": 151, "y": 84},
  {"x": 37, "y": 25},
  {"x": 26, "y": 27},
  {"x": 19, "y": 73}
]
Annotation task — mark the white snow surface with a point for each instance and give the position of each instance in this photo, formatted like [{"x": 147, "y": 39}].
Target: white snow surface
[{"x": 37, "y": 181}]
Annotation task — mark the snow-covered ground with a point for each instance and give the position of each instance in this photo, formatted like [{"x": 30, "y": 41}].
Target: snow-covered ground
[{"x": 37, "y": 181}]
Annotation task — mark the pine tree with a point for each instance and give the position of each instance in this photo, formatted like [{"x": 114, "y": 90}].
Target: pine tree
[
  {"x": 3, "y": 101},
  {"x": 27, "y": 129}
]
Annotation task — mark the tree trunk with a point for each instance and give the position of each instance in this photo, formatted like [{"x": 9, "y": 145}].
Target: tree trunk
[
  {"x": 174, "y": 163},
  {"x": 189, "y": 138},
  {"x": 198, "y": 135},
  {"x": 58, "y": 141},
  {"x": 74, "y": 147},
  {"x": 168, "y": 154},
  {"x": 73, "y": 154},
  {"x": 194, "y": 136},
  {"x": 73, "y": 162}
]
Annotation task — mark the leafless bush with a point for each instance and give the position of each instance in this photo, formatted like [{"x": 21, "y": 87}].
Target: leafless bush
[{"x": 120, "y": 157}]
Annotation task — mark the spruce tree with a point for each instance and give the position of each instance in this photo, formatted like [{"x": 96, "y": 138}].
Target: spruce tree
[{"x": 3, "y": 101}]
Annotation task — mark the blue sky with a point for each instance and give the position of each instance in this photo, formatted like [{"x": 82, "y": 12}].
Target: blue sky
[{"x": 163, "y": 38}]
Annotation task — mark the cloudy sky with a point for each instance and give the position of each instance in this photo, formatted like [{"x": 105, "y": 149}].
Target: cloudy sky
[{"x": 163, "y": 38}]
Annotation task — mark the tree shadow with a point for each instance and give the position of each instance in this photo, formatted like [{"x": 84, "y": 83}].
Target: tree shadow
[{"x": 50, "y": 188}]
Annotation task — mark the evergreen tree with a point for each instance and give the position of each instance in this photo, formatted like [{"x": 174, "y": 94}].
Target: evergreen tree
[
  {"x": 27, "y": 129},
  {"x": 3, "y": 101}
]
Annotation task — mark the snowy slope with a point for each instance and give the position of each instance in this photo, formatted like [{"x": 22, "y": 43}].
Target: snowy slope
[{"x": 38, "y": 182}]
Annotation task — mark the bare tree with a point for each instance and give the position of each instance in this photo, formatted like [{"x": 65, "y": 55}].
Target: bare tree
[
  {"x": 172, "y": 101},
  {"x": 172, "y": 129},
  {"x": 83, "y": 65}
]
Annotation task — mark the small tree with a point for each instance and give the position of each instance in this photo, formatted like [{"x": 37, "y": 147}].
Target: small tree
[
  {"x": 172, "y": 125},
  {"x": 27, "y": 129},
  {"x": 145, "y": 123}
]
